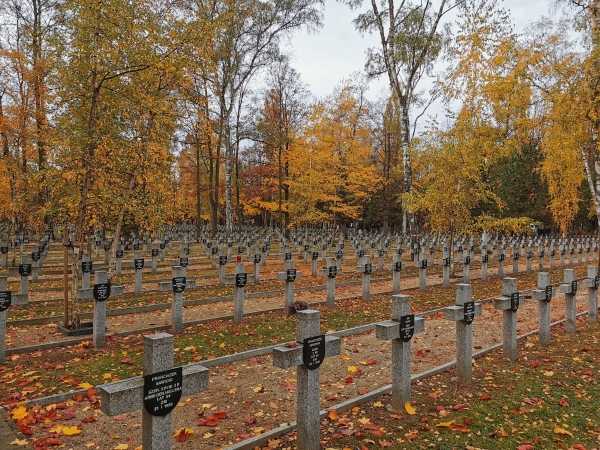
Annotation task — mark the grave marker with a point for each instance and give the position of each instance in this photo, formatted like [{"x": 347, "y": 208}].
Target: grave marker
[
  {"x": 592, "y": 284},
  {"x": 5, "y": 303},
  {"x": 569, "y": 287},
  {"x": 157, "y": 392},
  {"x": 178, "y": 285},
  {"x": 509, "y": 304},
  {"x": 311, "y": 349},
  {"x": 101, "y": 293},
  {"x": 400, "y": 330},
  {"x": 543, "y": 294}
]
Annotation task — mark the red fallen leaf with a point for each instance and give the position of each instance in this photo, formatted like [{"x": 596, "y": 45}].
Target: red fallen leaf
[
  {"x": 25, "y": 429},
  {"x": 420, "y": 353},
  {"x": 348, "y": 380},
  {"x": 535, "y": 363},
  {"x": 371, "y": 362},
  {"x": 292, "y": 344},
  {"x": 485, "y": 396},
  {"x": 127, "y": 361},
  {"x": 525, "y": 447},
  {"x": 563, "y": 402},
  {"x": 579, "y": 447},
  {"x": 47, "y": 442},
  {"x": 88, "y": 419},
  {"x": 92, "y": 395},
  {"x": 183, "y": 434}
]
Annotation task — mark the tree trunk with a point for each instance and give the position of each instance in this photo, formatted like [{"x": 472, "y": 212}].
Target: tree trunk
[{"x": 228, "y": 179}]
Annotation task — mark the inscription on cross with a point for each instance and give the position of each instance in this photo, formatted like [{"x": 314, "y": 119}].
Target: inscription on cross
[{"x": 156, "y": 393}]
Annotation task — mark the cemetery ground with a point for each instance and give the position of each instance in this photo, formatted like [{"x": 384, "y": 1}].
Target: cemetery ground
[
  {"x": 245, "y": 397},
  {"x": 549, "y": 399}
]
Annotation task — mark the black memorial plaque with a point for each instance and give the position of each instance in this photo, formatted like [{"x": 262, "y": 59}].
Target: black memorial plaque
[
  {"x": 5, "y": 300},
  {"x": 361, "y": 253},
  {"x": 332, "y": 271},
  {"x": 290, "y": 275},
  {"x": 162, "y": 391},
  {"x": 339, "y": 254},
  {"x": 424, "y": 264},
  {"x": 515, "y": 299},
  {"x": 86, "y": 266},
  {"x": 446, "y": 262},
  {"x": 287, "y": 256},
  {"x": 24, "y": 270},
  {"x": 313, "y": 352},
  {"x": 368, "y": 269},
  {"x": 4, "y": 250},
  {"x": 315, "y": 256},
  {"x": 240, "y": 280},
  {"x": 596, "y": 281},
  {"x": 469, "y": 312},
  {"x": 397, "y": 266},
  {"x": 35, "y": 256},
  {"x": 407, "y": 327},
  {"x": 257, "y": 259},
  {"x": 154, "y": 252},
  {"x": 138, "y": 263},
  {"x": 467, "y": 260},
  {"x": 119, "y": 254},
  {"x": 222, "y": 260},
  {"x": 485, "y": 259},
  {"x": 136, "y": 247},
  {"x": 178, "y": 284},
  {"x": 101, "y": 292},
  {"x": 502, "y": 257},
  {"x": 548, "y": 294},
  {"x": 162, "y": 245},
  {"x": 184, "y": 261},
  {"x": 306, "y": 247}
]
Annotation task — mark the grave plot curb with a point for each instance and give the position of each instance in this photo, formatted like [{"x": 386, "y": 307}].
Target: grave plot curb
[{"x": 259, "y": 441}]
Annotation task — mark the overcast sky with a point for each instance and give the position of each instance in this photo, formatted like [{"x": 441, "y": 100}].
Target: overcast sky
[{"x": 337, "y": 51}]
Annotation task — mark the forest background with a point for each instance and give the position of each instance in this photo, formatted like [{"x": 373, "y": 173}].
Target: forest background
[{"x": 120, "y": 115}]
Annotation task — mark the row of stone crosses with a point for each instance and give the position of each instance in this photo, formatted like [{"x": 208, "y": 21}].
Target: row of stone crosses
[
  {"x": 161, "y": 387},
  {"x": 423, "y": 250}
]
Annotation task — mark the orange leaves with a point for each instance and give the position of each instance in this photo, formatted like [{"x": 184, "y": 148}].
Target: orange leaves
[{"x": 183, "y": 434}]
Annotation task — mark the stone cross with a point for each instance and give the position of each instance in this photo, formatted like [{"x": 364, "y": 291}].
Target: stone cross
[
  {"x": 516, "y": 254},
  {"x": 86, "y": 270},
  {"x": 178, "y": 285},
  {"x": 509, "y": 304},
  {"x": 569, "y": 287},
  {"x": 138, "y": 265},
  {"x": 528, "y": 259},
  {"x": 157, "y": 392},
  {"x": 22, "y": 298},
  {"x": 396, "y": 269},
  {"x": 423, "y": 273},
  {"x": 36, "y": 264},
  {"x": 289, "y": 277},
  {"x": 222, "y": 262},
  {"x": 155, "y": 252},
  {"x": 541, "y": 255},
  {"x": 239, "y": 293},
  {"x": 5, "y": 302},
  {"x": 466, "y": 267},
  {"x": 543, "y": 294},
  {"x": 446, "y": 266},
  {"x": 257, "y": 261},
  {"x": 366, "y": 269},
  {"x": 501, "y": 259},
  {"x": 119, "y": 260},
  {"x": 339, "y": 258},
  {"x": 592, "y": 283},
  {"x": 314, "y": 263},
  {"x": 101, "y": 294},
  {"x": 380, "y": 259},
  {"x": 307, "y": 355},
  {"x": 330, "y": 272},
  {"x": 463, "y": 313},
  {"x": 485, "y": 259},
  {"x": 400, "y": 330},
  {"x": 4, "y": 254}
]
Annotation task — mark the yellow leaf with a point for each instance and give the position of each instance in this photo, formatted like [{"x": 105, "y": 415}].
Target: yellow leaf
[
  {"x": 332, "y": 415},
  {"x": 19, "y": 413},
  {"x": 71, "y": 431},
  {"x": 364, "y": 420},
  {"x": 121, "y": 447},
  {"x": 19, "y": 442},
  {"x": 447, "y": 424},
  {"x": 410, "y": 409},
  {"x": 85, "y": 385},
  {"x": 377, "y": 405},
  {"x": 562, "y": 431},
  {"x": 352, "y": 370}
]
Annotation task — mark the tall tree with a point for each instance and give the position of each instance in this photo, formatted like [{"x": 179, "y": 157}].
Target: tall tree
[{"x": 410, "y": 41}]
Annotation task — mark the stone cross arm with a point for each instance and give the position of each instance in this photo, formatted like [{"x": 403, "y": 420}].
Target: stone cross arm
[
  {"x": 286, "y": 357},
  {"x": 284, "y": 275},
  {"x": 457, "y": 312},
  {"x": 128, "y": 395},
  {"x": 390, "y": 329},
  {"x": 88, "y": 294},
  {"x": 165, "y": 286}
]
